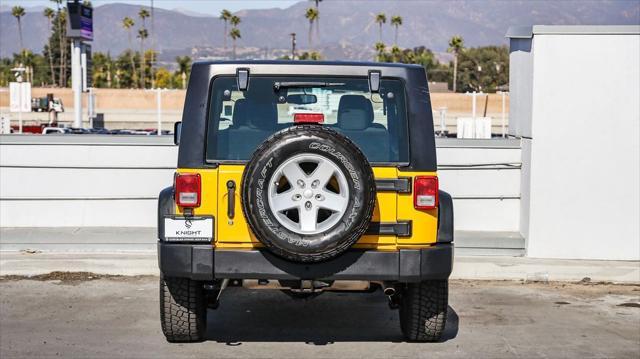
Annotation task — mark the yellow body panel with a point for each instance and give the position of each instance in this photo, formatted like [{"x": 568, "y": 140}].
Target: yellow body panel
[{"x": 390, "y": 207}]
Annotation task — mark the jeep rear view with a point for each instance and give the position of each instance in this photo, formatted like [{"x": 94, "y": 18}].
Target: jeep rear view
[{"x": 305, "y": 177}]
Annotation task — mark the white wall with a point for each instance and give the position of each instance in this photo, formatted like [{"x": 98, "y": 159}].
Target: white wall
[
  {"x": 84, "y": 181},
  {"x": 584, "y": 199},
  {"x": 113, "y": 181}
]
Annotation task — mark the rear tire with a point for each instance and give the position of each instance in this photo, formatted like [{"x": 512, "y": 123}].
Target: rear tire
[
  {"x": 183, "y": 311},
  {"x": 423, "y": 310}
]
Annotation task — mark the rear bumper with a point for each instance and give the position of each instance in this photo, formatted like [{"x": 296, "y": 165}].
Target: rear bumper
[{"x": 203, "y": 262}]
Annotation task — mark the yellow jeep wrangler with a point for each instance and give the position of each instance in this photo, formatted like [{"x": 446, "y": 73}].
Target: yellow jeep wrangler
[{"x": 305, "y": 177}]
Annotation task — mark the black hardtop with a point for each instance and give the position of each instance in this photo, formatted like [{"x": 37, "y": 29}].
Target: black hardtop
[
  {"x": 242, "y": 63},
  {"x": 422, "y": 151}
]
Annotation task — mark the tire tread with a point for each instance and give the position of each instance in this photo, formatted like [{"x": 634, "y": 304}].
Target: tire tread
[
  {"x": 182, "y": 309},
  {"x": 423, "y": 310}
]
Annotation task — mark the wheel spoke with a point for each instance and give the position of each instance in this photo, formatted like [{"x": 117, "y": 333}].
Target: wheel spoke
[
  {"x": 293, "y": 173},
  {"x": 308, "y": 219},
  {"x": 333, "y": 202},
  {"x": 323, "y": 173},
  {"x": 283, "y": 201}
]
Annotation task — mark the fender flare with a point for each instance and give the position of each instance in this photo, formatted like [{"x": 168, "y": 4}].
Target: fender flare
[
  {"x": 445, "y": 217},
  {"x": 166, "y": 206}
]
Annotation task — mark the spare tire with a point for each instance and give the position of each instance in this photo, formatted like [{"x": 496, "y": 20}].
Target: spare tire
[{"x": 308, "y": 193}]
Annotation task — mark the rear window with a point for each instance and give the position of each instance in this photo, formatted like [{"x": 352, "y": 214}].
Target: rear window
[{"x": 240, "y": 120}]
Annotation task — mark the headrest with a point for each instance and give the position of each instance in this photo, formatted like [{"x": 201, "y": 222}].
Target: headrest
[
  {"x": 263, "y": 115},
  {"x": 355, "y": 112},
  {"x": 240, "y": 117},
  {"x": 260, "y": 115}
]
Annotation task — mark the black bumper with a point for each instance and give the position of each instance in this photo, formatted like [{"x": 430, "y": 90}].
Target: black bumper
[{"x": 203, "y": 262}]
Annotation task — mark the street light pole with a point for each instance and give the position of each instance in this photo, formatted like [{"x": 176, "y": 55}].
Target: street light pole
[{"x": 76, "y": 82}]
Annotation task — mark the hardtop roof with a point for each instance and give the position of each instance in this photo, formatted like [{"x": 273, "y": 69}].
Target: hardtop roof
[{"x": 306, "y": 63}]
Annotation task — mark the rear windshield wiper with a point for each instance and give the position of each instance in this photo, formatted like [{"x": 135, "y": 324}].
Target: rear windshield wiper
[{"x": 278, "y": 85}]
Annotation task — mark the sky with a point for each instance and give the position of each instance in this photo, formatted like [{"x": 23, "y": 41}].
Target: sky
[{"x": 201, "y": 6}]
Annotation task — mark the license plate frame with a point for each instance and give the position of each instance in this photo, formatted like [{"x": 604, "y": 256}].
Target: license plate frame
[{"x": 180, "y": 229}]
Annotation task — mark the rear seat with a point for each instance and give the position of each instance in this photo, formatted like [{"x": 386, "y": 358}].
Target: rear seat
[
  {"x": 355, "y": 120},
  {"x": 252, "y": 124}
]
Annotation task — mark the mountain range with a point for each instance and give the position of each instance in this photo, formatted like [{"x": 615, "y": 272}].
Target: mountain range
[{"x": 347, "y": 28}]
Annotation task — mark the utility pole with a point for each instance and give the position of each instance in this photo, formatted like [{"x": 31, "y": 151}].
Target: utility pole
[{"x": 293, "y": 45}]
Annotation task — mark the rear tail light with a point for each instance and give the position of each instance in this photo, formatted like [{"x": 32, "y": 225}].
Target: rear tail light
[
  {"x": 308, "y": 118},
  {"x": 425, "y": 192},
  {"x": 188, "y": 189}
]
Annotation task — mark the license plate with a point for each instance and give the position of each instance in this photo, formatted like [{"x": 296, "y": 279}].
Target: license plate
[{"x": 196, "y": 229}]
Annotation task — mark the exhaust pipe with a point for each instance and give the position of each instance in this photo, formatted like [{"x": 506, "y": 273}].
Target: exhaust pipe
[{"x": 388, "y": 289}]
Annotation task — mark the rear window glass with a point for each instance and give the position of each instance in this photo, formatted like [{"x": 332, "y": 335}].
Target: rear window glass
[{"x": 240, "y": 120}]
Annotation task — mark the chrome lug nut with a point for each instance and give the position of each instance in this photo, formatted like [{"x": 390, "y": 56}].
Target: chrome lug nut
[
  {"x": 300, "y": 183},
  {"x": 315, "y": 184},
  {"x": 307, "y": 205}
]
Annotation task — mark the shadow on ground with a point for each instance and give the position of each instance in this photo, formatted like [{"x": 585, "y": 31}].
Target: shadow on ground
[{"x": 271, "y": 316}]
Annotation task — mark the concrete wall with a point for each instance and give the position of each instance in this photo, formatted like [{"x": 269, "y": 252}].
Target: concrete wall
[
  {"x": 88, "y": 181},
  {"x": 581, "y": 190}
]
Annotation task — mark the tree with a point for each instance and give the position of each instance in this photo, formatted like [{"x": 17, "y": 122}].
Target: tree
[
  {"x": 102, "y": 67},
  {"x": 184, "y": 65},
  {"x": 18, "y": 13},
  {"x": 164, "y": 78},
  {"x": 396, "y": 21},
  {"x": 142, "y": 35},
  {"x": 50, "y": 14},
  {"x": 396, "y": 54},
  {"x": 234, "y": 34},
  {"x": 380, "y": 50},
  {"x": 317, "y": 3},
  {"x": 56, "y": 48},
  {"x": 456, "y": 45},
  {"x": 225, "y": 15},
  {"x": 124, "y": 76},
  {"x": 381, "y": 18},
  {"x": 312, "y": 15},
  {"x": 127, "y": 24},
  {"x": 483, "y": 68},
  {"x": 62, "y": 41},
  {"x": 144, "y": 14},
  {"x": 311, "y": 55},
  {"x": 235, "y": 20}
]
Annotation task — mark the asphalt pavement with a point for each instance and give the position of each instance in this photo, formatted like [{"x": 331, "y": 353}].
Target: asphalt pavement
[{"x": 84, "y": 316}]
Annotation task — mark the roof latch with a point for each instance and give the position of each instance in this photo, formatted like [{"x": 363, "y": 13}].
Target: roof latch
[
  {"x": 374, "y": 81},
  {"x": 242, "y": 76}
]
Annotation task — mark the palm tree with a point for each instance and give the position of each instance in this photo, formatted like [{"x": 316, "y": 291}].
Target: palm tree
[
  {"x": 312, "y": 16},
  {"x": 183, "y": 67},
  {"x": 317, "y": 2},
  {"x": 18, "y": 13},
  {"x": 235, "y": 20},
  {"x": 396, "y": 53},
  {"x": 62, "y": 41},
  {"x": 127, "y": 24},
  {"x": 142, "y": 34},
  {"x": 381, "y": 18},
  {"x": 234, "y": 34},
  {"x": 225, "y": 15},
  {"x": 49, "y": 14},
  {"x": 143, "y": 14},
  {"x": 456, "y": 45},
  {"x": 380, "y": 49},
  {"x": 396, "y": 21}
]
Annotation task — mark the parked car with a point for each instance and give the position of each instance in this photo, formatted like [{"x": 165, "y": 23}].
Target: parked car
[{"x": 305, "y": 202}]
